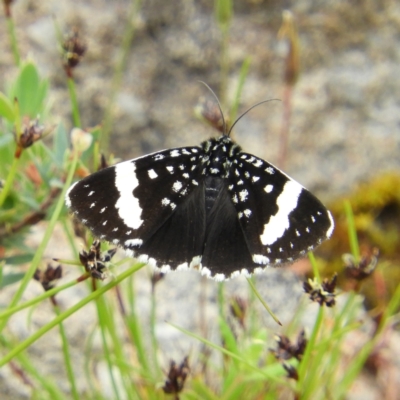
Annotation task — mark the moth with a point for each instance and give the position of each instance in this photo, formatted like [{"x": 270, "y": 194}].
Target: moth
[{"x": 210, "y": 207}]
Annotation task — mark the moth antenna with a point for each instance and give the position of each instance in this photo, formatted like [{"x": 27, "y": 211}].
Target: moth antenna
[
  {"x": 219, "y": 106},
  {"x": 255, "y": 105}
]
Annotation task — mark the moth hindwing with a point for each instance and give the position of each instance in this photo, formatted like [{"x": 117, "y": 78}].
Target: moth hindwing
[{"x": 210, "y": 207}]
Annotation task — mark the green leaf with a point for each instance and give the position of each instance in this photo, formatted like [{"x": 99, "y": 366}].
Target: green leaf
[
  {"x": 30, "y": 91},
  {"x": 223, "y": 12},
  {"x": 6, "y": 108},
  {"x": 10, "y": 279},
  {"x": 18, "y": 259}
]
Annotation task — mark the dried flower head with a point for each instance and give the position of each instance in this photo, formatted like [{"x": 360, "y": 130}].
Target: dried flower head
[
  {"x": 321, "y": 293},
  {"x": 289, "y": 32},
  {"x": 238, "y": 308},
  {"x": 286, "y": 350},
  {"x": 363, "y": 268},
  {"x": 31, "y": 133},
  {"x": 103, "y": 162},
  {"x": 80, "y": 140},
  {"x": 73, "y": 50},
  {"x": 291, "y": 371},
  {"x": 48, "y": 276},
  {"x": 156, "y": 277},
  {"x": 211, "y": 112},
  {"x": 176, "y": 377},
  {"x": 7, "y": 7},
  {"x": 94, "y": 260}
]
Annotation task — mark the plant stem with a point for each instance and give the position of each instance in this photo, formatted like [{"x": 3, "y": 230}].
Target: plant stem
[
  {"x": 42, "y": 247},
  {"x": 13, "y": 40},
  {"x": 74, "y": 102},
  {"x": 67, "y": 357},
  {"x": 355, "y": 249},
  {"x": 10, "y": 180},
  {"x": 44, "y": 329}
]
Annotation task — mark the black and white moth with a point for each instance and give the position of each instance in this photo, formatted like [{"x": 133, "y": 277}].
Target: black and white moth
[{"x": 210, "y": 207}]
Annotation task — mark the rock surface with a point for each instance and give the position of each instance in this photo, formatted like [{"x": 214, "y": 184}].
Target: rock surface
[{"x": 344, "y": 127}]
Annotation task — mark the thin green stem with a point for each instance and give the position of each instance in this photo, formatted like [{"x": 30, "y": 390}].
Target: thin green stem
[
  {"x": 314, "y": 265},
  {"x": 359, "y": 360},
  {"x": 352, "y": 231},
  {"x": 268, "y": 372},
  {"x": 242, "y": 77},
  {"x": 13, "y": 40},
  {"x": 304, "y": 365},
  {"x": 47, "y": 384},
  {"x": 221, "y": 299},
  {"x": 52, "y": 292},
  {"x": 74, "y": 102},
  {"x": 101, "y": 310},
  {"x": 153, "y": 320},
  {"x": 42, "y": 247},
  {"x": 94, "y": 295},
  {"x": 67, "y": 358},
  {"x": 224, "y": 65},
  {"x": 255, "y": 291}
]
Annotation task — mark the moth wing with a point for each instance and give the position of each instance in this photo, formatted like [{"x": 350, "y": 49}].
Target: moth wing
[
  {"x": 129, "y": 202},
  {"x": 281, "y": 220}
]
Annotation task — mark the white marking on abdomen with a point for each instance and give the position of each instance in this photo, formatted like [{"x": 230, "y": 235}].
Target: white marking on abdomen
[
  {"x": 279, "y": 223},
  {"x": 128, "y": 205}
]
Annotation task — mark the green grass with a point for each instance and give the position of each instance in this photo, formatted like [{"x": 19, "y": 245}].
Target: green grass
[{"x": 248, "y": 370}]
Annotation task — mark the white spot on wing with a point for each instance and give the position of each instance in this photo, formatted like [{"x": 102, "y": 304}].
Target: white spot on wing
[
  {"x": 260, "y": 259},
  {"x": 133, "y": 242},
  {"x": 152, "y": 174},
  {"x": 129, "y": 252},
  {"x": 128, "y": 205},
  {"x": 182, "y": 267},
  {"x": 196, "y": 261},
  {"x": 268, "y": 188},
  {"x": 177, "y": 186},
  {"x": 219, "y": 277},
  {"x": 255, "y": 178},
  {"x": 165, "y": 268},
  {"x": 243, "y": 195},
  {"x": 279, "y": 223},
  {"x": 67, "y": 198},
  {"x": 270, "y": 170},
  {"x": 330, "y": 230},
  {"x": 174, "y": 153}
]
